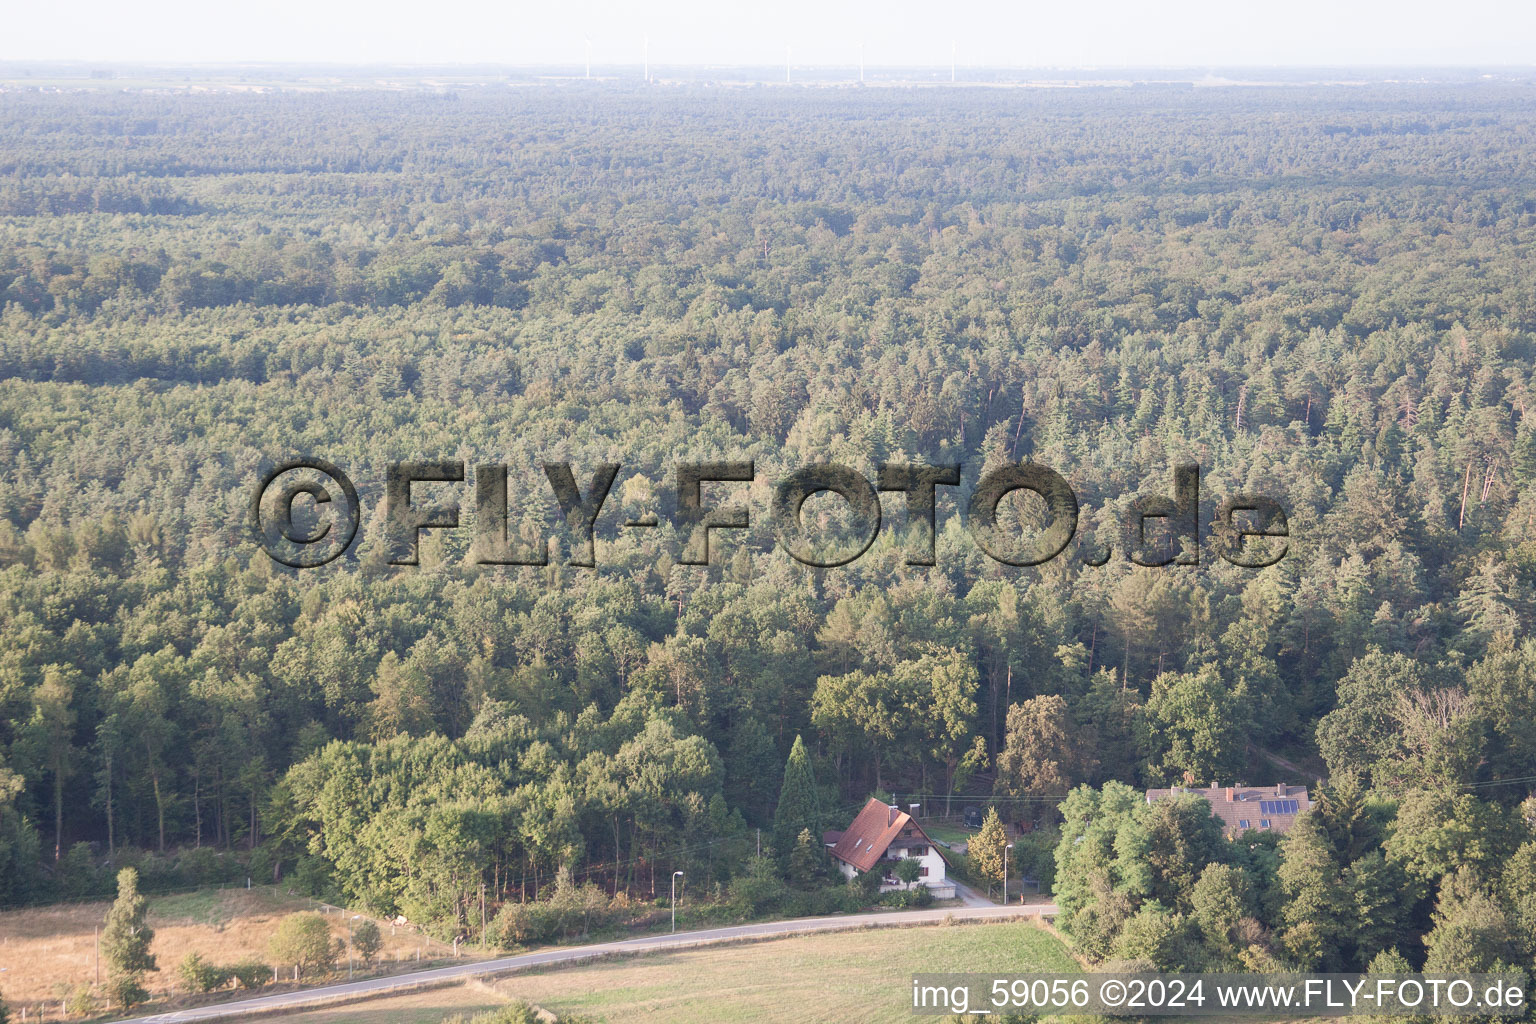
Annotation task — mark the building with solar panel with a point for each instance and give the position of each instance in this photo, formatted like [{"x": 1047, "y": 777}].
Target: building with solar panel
[{"x": 1241, "y": 808}]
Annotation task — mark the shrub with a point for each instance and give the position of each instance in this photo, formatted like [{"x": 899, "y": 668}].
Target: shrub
[
  {"x": 515, "y": 1013},
  {"x": 313, "y": 876},
  {"x": 759, "y": 890},
  {"x": 77, "y": 874},
  {"x": 249, "y": 973},
  {"x": 199, "y": 974},
  {"x": 82, "y": 1000},
  {"x": 304, "y": 939},
  {"x": 831, "y": 899},
  {"x": 367, "y": 941},
  {"x": 199, "y": 866},
  {"x": 522, "y": 924},
  {"x": 577, "y": 909},
  {"x": 124, "y": 990}
]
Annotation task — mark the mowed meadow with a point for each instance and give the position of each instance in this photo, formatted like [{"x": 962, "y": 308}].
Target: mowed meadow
[
  {"x": 844, "y": 976},
  {"x": 50, "y": 951},
  {"x": 849, "y": 977}
]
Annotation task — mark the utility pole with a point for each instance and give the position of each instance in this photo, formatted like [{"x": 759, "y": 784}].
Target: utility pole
[{"x": 482, "y": 915}]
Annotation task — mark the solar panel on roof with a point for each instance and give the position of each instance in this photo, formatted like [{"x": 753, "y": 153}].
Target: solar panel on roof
[{"x": 1278, "y": 806}]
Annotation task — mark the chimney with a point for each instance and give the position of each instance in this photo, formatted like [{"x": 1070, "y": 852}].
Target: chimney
[
  {"x": 1280, "y": 790},
  {"x": 1229, "y": 794}
]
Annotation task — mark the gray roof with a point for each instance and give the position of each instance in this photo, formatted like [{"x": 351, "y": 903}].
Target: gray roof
[{"x": 1247, "y": 807}]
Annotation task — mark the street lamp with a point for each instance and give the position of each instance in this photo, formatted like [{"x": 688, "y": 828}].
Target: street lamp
[
  {"x": 350, "y": 927},
  {"x": 675, "y": 876},
  {"x": 1006, "y": 849}
]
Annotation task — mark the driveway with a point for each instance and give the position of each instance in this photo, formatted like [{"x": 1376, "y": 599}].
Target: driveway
[
  {"x": 970, "y": 897},
  {"x": 357, "y": 990}
]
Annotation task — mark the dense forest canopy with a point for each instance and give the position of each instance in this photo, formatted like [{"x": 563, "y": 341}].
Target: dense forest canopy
[{"x": 1324, "y": 295}]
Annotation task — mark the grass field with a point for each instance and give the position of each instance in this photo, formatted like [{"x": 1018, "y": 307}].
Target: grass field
[
  {"x": 844, "y": 976},
  {"x": 849, "y": 977},
  {"x": 49, "y": 951},
  {"x": 950, "y": 833},
  {"x": 427, "y": 1007}
]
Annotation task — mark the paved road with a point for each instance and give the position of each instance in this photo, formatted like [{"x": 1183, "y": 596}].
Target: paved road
[{"x": 349, "y": 991}]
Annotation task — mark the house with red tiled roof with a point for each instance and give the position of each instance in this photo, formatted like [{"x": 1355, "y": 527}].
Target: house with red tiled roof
[
  {"x": 881, "y": 835},
  {"x": 1241, "y": 808}
]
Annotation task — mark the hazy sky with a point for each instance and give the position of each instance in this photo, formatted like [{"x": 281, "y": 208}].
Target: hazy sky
[{"x": 1031, "y": 33}]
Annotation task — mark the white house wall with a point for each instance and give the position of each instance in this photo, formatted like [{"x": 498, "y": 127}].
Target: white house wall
[{"x": 935, "y": 879}]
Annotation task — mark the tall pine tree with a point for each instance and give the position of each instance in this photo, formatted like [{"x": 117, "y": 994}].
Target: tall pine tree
[
  {"x": 125, "y": 941},
  {"x": 799, "y": 801}
]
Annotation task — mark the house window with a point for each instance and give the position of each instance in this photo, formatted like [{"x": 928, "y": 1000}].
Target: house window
[
  {"x": 917, "y": 851},
  {"x": 1263, "y": 823},
  {"x": 1243, "y": 823},
  {"x": 922, "y": 873}
]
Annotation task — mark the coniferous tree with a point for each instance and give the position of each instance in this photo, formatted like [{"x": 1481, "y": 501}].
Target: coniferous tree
[
  {"x": 807, "y": 861},
  {"x": 986, "y": 849},
  {"x": 799, "y": 807},
  {"x": 125, "y": 940}
]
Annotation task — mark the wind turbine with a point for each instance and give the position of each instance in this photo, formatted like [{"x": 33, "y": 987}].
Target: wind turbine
[
  {"x": 861, "y": 61},
  {"x": 647, "y": 56},
  {"x": 588, "y": 40},
  {"x": 952, "y": 48},
  {"x": 786, "y": 63}
]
